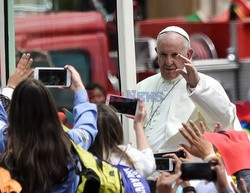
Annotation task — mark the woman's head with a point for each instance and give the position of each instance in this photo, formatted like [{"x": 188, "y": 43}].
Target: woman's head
[
  {"x": 36, "y": 139},
  {"x": 31, "y": 109},
  {"x": 110, "y": 132},
  {"x": 110, "y": 135}
]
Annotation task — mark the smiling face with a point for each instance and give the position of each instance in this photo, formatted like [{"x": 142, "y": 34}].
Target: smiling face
[{"x": 169, "y": 45}]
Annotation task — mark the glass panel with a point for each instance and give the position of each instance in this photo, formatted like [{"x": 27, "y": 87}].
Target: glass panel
[
  {"x": 217, "y": 39},
  {"x": 63, "y": 32},
  {"x": 81, "y": 61}
]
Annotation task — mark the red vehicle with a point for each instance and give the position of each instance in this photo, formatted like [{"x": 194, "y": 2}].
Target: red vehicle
[{"x": 76, "y": 38}]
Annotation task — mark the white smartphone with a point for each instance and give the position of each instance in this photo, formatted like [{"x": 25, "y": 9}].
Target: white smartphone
[
  {"x": 53, "y": 76},
  {"x": 164, "y": 164},
  {"x": 122, "y": 104}
]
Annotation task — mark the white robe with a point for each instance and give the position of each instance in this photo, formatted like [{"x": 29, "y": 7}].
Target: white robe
[{"x": 208, "y": 102}]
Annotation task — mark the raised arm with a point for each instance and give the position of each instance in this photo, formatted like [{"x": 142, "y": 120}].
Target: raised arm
[
  {"x": 141, "y": 139},
  {"x": 199, "y": 146},
  {"x": 22, "y": 71},
  {"x": 85, "y": 114}
]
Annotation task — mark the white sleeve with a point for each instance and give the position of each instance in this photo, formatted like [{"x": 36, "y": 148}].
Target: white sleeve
[
  {"x": 144, "y": 161},
  {"x": 7, "y": 91},
  {"x": 213, "y": 103}
]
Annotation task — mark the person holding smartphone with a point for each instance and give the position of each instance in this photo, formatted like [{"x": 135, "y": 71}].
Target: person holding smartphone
[
  {"x": 33, "y": 144},
  {"x": 180, "y": 93},
  {"x": 109, "y": 143},
  {"x": 171, "y": 182},
  {"x": 223, "y": 143}
]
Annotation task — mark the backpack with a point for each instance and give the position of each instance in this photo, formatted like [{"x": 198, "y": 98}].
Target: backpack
[{"x": 97, "y": 176}]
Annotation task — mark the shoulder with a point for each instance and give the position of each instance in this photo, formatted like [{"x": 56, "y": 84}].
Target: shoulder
[
  {"x": 150, "y": 78},
  {"x": 149, "y": 81},
  {"x": 207, "y": 78}
]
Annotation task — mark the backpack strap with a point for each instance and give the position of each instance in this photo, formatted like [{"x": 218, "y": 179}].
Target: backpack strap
[{"x": 96, "y": 175}]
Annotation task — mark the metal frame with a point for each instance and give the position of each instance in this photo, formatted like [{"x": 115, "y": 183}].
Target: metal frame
[
  {"x": 126, "y": 55},
  {"x": 7, "y": 39},
  {"x": 2, "y": 43}
]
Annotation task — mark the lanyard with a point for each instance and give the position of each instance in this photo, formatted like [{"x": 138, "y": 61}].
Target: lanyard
[{"x": 151, "y": 108}]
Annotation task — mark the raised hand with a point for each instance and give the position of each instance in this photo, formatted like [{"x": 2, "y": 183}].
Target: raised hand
[
  {"x": 76, "y": 81},
  {"x": 199, "y": 146},
  {"x": 189, "y": 72},
  {"x": 22, "y": 71},
  {"x": 217, "y": 127},
  {"x": 140, "y": 113}
]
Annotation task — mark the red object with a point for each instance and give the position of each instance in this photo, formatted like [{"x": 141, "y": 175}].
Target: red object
[
  {"x": 62, "y": 117},
  {"x": 234, "y": 147},
  {"x": 218, "y": 32},
  {"x": 243, "y": 110},
  {"x": 68, "y": 31},
  {"x": 244, "y": 8}
]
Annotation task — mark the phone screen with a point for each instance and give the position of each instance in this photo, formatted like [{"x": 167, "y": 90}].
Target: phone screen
[
  {"x": 165, "y": 164},
  {"x": 52, "y": 77},
  {"x": 123, "y": 105},
  {"x": 197, "y": 171}
]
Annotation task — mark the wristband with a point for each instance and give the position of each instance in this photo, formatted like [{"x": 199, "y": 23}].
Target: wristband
[
  {"x": 7, "y": 91},
  {"x": 209, "y": 157},
  {"x": 189, "y": 188},
  {"x": 5, "y": 101}
]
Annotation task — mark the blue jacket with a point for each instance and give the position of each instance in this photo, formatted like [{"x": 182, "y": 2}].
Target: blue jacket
[{"x": 83, "y": 133}]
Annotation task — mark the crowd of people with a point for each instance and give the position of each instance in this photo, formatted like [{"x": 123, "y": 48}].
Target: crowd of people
[{"x": 194, "y": 115}]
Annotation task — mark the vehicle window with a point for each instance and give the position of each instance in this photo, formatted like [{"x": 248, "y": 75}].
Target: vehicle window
[
  {"x": 81, "y": 61},
  {"x": 57, "y": 33},
  {"x": 77, "y": 58}
]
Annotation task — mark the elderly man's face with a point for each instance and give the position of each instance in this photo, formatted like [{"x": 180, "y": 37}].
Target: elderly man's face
[{"x": 169, "y": 45}]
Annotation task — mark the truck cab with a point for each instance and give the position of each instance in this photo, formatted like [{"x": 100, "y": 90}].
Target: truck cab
[{"x": 75, "y": 38}]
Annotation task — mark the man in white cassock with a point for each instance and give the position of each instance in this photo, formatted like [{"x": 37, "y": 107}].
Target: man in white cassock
[{"x": 179, "y": 93}]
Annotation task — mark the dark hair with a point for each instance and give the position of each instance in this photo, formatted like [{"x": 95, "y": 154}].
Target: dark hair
[
  {"x": 94, "y": 85},
  {"x": 91, "y": 87},
  {"x": 37, "y": 143},
  {"x": 110, "y": 135}
]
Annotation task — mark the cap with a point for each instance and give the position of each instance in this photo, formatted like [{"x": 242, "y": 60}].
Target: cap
[
  {"x": 234, "y": 147},
  {"x": 175, "y": 29}
]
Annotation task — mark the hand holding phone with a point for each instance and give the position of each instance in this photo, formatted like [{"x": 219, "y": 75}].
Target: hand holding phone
[
  {"x": 122, "y": 104},
  {"x": 53, "y": 77},
  {"x": 164, "y": 164}
]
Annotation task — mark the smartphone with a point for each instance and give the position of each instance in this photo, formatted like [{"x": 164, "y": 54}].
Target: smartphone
[
  {"x": 177, "y": 153},
  {"x": 164, "y": 164},
  {"x": 122, "y": 104},
  {"x": 197, "y": 171},
  {"x": 53, "y": 77}
]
